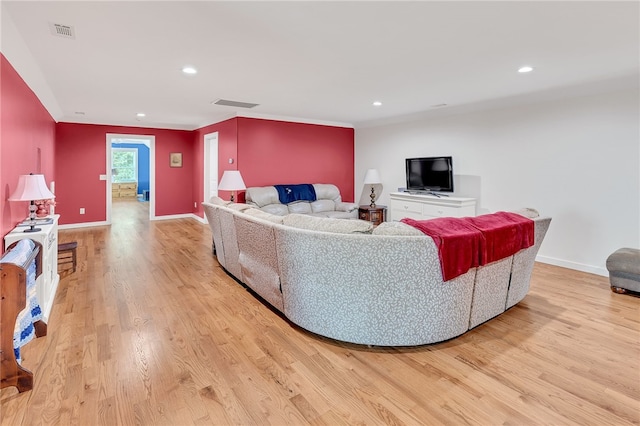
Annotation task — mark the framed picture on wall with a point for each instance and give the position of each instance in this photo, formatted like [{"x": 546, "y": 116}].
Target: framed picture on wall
[{"x": 175, "y": 159}]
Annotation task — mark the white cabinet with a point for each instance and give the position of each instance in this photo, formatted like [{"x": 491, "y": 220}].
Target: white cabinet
[
  {"x": 47, "y": 282},
  {"x": 420, "y": 207}
]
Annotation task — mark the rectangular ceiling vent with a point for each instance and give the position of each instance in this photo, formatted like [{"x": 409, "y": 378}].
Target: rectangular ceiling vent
[
  {"x": 226, "y": 102},
  {"x": 62, "y": 30}
]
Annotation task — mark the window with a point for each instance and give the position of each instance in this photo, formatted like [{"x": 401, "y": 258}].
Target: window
[{"x": 124, "y": 164}]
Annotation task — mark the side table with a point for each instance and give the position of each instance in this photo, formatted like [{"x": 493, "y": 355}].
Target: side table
[{"x": 376, "y": 215}]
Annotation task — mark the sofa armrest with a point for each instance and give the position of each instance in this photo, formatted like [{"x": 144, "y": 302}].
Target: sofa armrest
[{"x": 345, "y": 207}]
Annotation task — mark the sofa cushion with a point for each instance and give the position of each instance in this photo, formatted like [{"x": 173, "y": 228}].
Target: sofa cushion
[
  {"x": 323, "y": 206},
  {"x": 339, "y": 215},
  {"x": 339, "y": 226},
  {"x": 527, "y": 212},
  {"x": 218, "y": 201},
  {"x": 397, "y": 228},
  {"x": 277, "y": 209},
  {"x": 264, "y": 215},
  {"x": 238, "y": 206},
  {"x": 262, "y": 195},
  {"x": 327, "y": 191},
  {"x": 301, "y": 207},
  {"x": 346, "y": 207}
]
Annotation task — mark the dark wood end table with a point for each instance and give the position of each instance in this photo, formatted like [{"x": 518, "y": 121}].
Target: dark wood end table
[{"x": 376, "y": 215}]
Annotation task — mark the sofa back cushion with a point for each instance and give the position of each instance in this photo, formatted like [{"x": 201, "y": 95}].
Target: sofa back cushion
[
  {"x": 277, "y": 209},
  {"x": 397, "y": 228},
  {"x": 262, "y": 196},
  {"x": 261, "y": 214},
  {"x": 239, "y": 207},
  {"x": 300, "y": 207},
  {"x": 327, "y": 191},
  {"x": 319, "y": 206},
  {"x": 325, "y": 224},
  {"x": 528, "y": 212},
  {"x": 218, "y": 201}
]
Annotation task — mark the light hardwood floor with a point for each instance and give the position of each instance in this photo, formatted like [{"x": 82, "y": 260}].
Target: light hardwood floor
[{"x": 151, "y": 330}]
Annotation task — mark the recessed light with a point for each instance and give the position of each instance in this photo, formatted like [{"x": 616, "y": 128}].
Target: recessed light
[
  {"x": 189, "y": 70},
  {"x": 525, "y": 69},
  {"x": 79, "y": 113},
  {"x": 141, "y": 114},
  {"x": 377, "y": 103}
]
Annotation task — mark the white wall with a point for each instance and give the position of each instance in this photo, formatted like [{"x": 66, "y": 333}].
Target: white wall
[{"x": 576, "y": 160}]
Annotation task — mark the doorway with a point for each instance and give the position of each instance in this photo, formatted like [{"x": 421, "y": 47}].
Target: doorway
[
  {"x": 128, "y": 140},
  {"x": 210, "y": 166}
]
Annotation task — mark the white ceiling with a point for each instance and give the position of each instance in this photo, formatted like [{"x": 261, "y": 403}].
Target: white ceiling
[{"x": 322, "y": 62}]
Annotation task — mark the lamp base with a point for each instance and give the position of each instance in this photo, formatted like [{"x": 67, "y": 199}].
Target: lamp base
[
  {"x": 32, "y": 229},
  {"x": 373, "y": 197}
]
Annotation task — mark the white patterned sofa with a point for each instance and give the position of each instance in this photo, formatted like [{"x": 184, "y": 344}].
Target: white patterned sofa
[
  {"x": 328, "y": 202},
  {"x": 383, "y": 288}
]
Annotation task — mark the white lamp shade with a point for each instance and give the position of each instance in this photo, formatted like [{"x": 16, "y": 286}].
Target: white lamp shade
[
  {"x": 31, "y": 187},
  {"x": 231, "y": 181},
  {"x": 372, "y": 176}
]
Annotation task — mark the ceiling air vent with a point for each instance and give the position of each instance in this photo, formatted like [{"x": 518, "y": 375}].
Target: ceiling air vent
[
  {"x": 226, "y": 102},
  {"x": 62, "y": 30}
]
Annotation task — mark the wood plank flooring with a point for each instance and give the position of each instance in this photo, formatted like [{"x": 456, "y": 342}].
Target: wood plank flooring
[{"x": 150, "y": 330}]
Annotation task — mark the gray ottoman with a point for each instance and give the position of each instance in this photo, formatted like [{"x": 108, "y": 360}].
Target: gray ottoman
[{"x": 624, "y": 270}]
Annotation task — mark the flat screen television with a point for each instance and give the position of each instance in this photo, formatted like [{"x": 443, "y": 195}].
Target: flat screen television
[{"x": 429, "y": 174}]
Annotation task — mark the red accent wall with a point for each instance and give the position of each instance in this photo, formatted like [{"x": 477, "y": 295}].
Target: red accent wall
[
  {"x": 269, "y": 152},
  {"x": 277, "y": 152},
  {"x": 81, "y": 158},
  {"x": 27, "y": 142}
]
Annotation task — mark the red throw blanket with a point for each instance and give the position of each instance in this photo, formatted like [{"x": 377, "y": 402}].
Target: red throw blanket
[
  {"x": 469, "y": 242},
  {"x": 504, "y": 234},
  {"x": 458, "y": 243}
]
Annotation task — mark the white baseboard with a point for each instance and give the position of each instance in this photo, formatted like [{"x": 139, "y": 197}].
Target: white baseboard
[
  {"x": 597, "y": 270},
  {"x": 82, "y": 225},
  {"x": 176, "y": 216},
  {"x": 171, "y": 216},
  {"x": 104, "y": 223},
  {"x": 200, "y": 219}
]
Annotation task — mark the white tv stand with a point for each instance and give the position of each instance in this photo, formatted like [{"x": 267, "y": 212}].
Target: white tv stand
[{"x": 424, "y": 206}]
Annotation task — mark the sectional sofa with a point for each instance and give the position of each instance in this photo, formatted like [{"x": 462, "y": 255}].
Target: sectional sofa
[{"x": 343, "y": 280}]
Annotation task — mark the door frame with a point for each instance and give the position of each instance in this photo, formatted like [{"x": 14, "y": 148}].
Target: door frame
[
  {"x": 210, "y": 141},
  {"x": 151, "y": 140}
]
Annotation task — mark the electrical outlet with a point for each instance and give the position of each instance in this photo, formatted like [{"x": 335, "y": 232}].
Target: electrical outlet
[
  {"x": 195, "y": 204},
  {"x": 81, "y": 210}
]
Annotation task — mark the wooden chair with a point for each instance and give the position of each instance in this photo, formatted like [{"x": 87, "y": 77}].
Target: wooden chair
[{"x": 67, "y": 254}]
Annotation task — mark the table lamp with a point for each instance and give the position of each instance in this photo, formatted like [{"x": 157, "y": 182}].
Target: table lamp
[
  {"x": 31, "y": 188},
  {"x": 372, "y": 177},
  {"x": 231, "y": 181}
]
